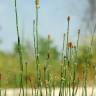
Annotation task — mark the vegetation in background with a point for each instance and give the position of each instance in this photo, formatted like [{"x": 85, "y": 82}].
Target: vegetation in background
[{"x": 40, "y": 65}]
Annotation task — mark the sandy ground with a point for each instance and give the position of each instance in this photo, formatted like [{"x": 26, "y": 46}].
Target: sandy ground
[{"x": 16, "y": 92}]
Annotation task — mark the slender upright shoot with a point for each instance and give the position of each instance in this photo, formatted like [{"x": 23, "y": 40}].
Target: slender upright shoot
[{"x": 19, "y": 49}]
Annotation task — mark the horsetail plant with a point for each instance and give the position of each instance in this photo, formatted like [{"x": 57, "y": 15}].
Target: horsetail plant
[
  {"x": 35, "y": 34},
  {"x": 85, "y": 79},
  {"x": 19, "y": 50},
  {"x": 74, "y": 67},
  {"x": 63, "y": 69},
  {"x": 38, "y": 78},
  {"x": 78, "y": 38},
  {"x": 46, "y": 70},
  {"x": 63, "y": 72},
  {"x": 67, "y": 53},
  {"x": 37, "y": 54},
  {"x": 68, "y": 21},
  {"x": 34, "y": 37}
]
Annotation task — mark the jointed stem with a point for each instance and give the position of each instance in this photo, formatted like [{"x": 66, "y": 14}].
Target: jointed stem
[{"x": 19, "y": 49}]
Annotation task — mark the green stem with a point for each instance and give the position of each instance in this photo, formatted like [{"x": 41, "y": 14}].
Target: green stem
[
  {"x": 19, "y": 47},
  {"x": 26, "y": 78},
  {"x": 67, "y": 37},
  {"x": 37, "y": 51}
]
